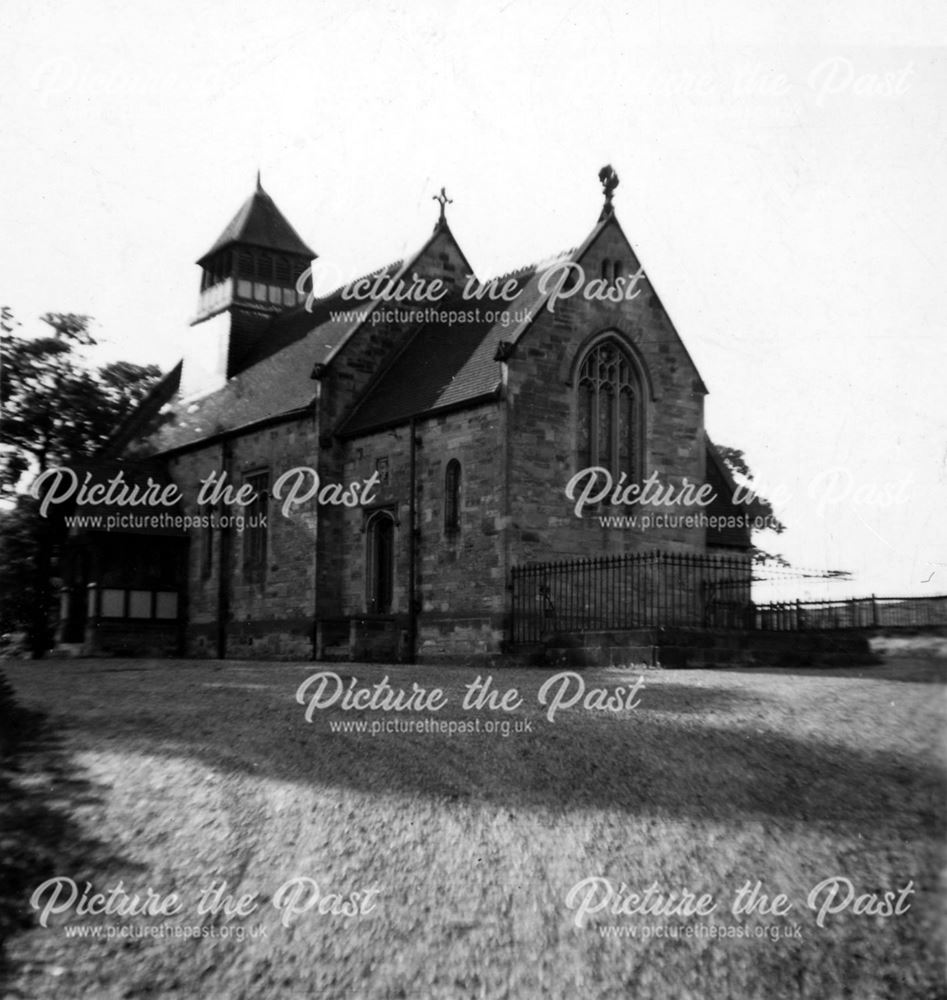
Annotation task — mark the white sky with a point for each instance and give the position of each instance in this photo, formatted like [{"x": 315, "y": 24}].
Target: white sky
[{"x": 779, "y": 168}]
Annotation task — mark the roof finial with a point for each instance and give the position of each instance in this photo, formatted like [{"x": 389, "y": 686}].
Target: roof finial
[
  {"x": 444, "y": 201},
  {"x": 609, "y": 180},
  {"x": 259, "y": 185}
]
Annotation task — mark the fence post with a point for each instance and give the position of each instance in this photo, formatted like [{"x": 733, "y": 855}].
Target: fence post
[{"x": 874, "y": 611}]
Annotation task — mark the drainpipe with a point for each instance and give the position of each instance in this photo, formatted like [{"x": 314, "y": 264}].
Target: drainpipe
[
  {"x": 223, "y": 582},
  {"x": 318, "y": 372},
  {"x": 506, "y": 526},
  {"x": 413, "y": 541}
]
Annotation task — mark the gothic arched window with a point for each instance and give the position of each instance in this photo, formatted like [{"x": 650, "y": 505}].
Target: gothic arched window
[
  {"x": 452, "y": 497},
  {"x": 609, "y": 429}
]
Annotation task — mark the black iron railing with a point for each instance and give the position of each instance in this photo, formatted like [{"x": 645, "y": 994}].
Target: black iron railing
[
  {"x": 636, "y": 590},
  {"x": 857, "y": 612},
  {"x": 660, "y": 589}
]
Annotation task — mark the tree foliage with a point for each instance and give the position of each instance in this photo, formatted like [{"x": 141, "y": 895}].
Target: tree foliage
[
  {"x": 756, "y": 505},
  {"x": 58, "y": 409}
]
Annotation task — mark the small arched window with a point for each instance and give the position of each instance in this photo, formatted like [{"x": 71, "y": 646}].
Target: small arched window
[
  {"x": 380, "y": 578},
  {"x": 452, "y": 497},
  {"x": 609, "y": 404}
]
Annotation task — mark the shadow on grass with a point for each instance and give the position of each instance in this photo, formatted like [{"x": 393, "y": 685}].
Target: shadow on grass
[
  {"x": 694, "y": 751},
  {"x": 39, "y": 838}
]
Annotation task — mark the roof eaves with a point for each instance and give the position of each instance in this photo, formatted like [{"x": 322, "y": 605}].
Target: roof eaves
[{"x": 223, "y": 435}]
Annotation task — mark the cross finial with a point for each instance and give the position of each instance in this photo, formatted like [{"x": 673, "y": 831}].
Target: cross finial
[
  {"x": 609, "y": 180},
  {"x": 443, "y": 201}
]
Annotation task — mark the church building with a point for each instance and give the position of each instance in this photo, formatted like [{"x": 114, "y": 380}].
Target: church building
[{"x": 361, "y": 471}]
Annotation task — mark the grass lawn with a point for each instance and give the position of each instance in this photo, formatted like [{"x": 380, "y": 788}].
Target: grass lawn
[{"x": 174, "y": 775}]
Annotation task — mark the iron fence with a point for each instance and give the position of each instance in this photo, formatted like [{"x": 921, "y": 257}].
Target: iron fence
[
  {"x": 857, "y": 612},
  {"x": 633, "y": 590},
  {"x": 660, "y": 589}
]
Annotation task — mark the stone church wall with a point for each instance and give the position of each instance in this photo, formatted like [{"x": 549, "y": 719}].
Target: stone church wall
[
  {"x": 460, "y": 575},
  {"x": 271, "y": 617},
  {"x": 542, "y": 415}
]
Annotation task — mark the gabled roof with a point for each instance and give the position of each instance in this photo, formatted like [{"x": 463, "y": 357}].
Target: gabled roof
[
  {"x": 439, "y": 367},
  {"x": 260, "y": 223},
  {"x": 274, "y": 379},
  {"x": 310, "y": 320},
  {"x": 576, "y": 256},
  {"x": 295, "y": 324},
  {"x": 446, "y": 366}
]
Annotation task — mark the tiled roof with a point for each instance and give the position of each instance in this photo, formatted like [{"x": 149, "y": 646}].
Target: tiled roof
[
  {"x": 275, "y": 376},
  {"x": 260, "y": 223},
  {"x": 277, "y": 385},
  {"x": 445, "y": 365},
  {"x": 295, "y": 324},
  {"x": 442, "y": 366}
]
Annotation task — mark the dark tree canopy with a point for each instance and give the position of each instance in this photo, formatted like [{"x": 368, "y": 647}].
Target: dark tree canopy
[
  {"x": 757, "y": 506},
  {"x": 57, "y": 409}
]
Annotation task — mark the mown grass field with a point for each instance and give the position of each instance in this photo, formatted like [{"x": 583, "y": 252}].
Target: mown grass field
[{"x": 174, "y": 775}]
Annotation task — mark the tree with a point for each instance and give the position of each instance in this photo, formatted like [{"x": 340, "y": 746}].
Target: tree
[
  {"x": 756, "y": 506},
  {"x": 57, "y": 409}
]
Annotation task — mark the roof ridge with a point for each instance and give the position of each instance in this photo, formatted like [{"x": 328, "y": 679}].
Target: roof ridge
[
  {"x": 361, "y": 277},
  {"x": 533, "y": 267}
]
